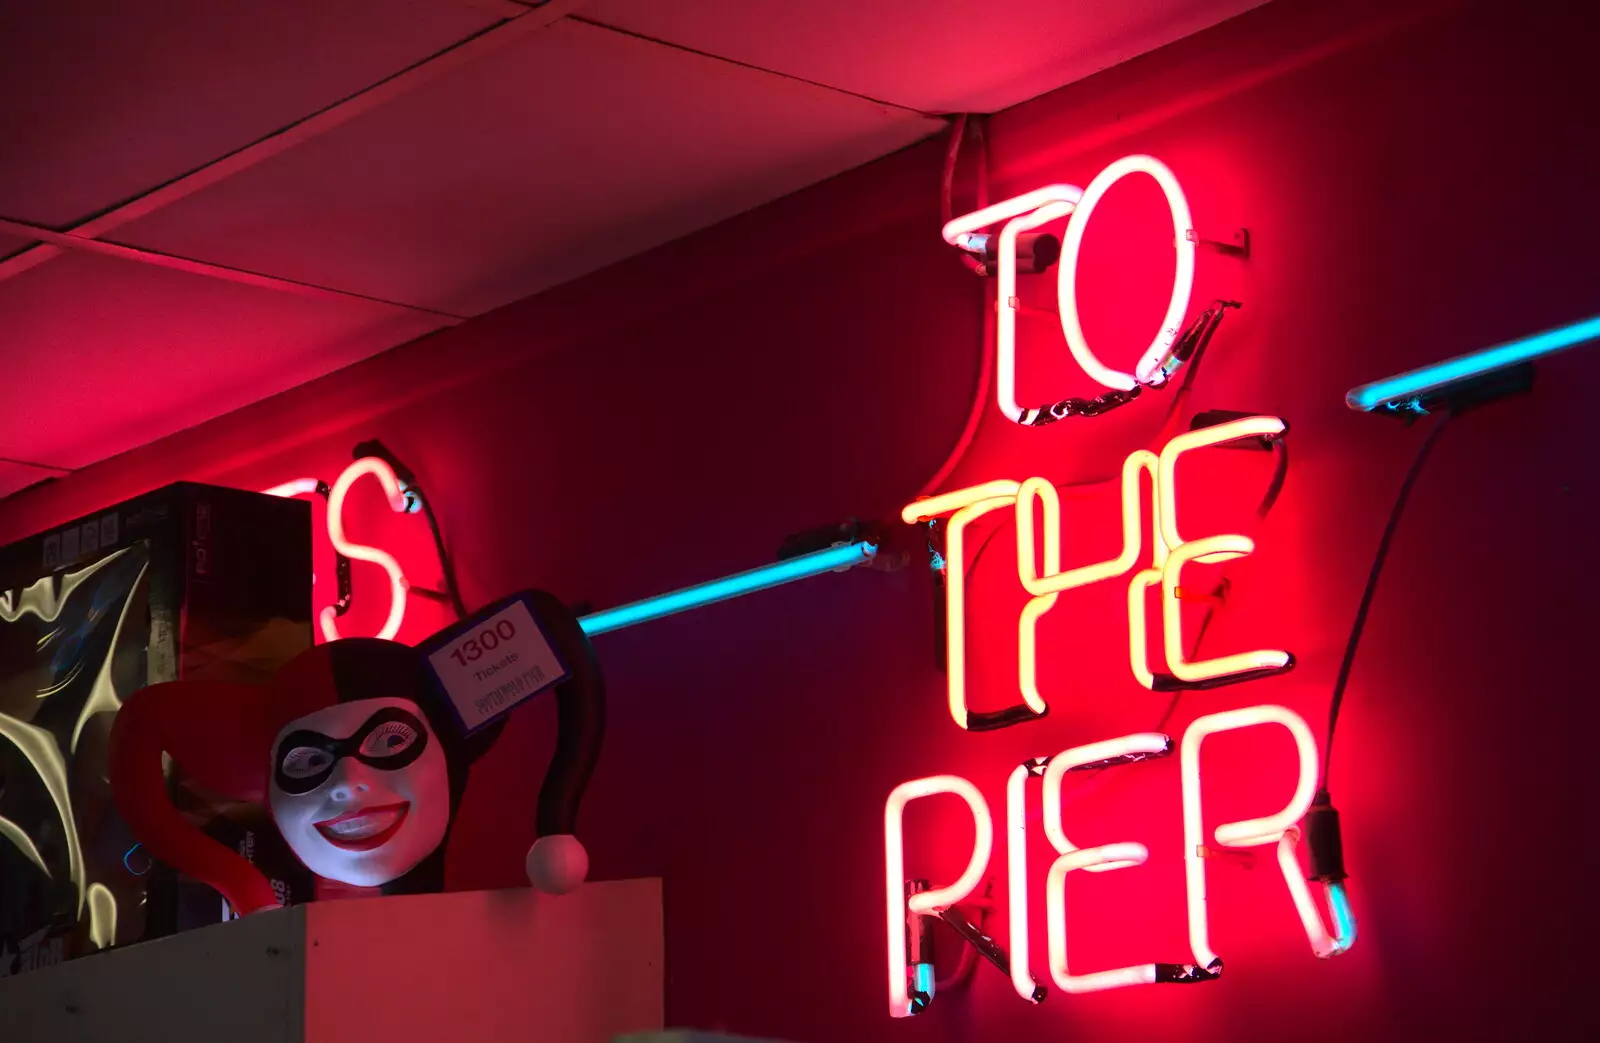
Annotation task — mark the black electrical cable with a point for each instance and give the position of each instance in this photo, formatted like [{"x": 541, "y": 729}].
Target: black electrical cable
[
  {"x": 1280, "y": 448},
  {"x": 373, "y": 447},
  {"x": 445, "y": 565},
  {"x": 1360, "y": 623}
]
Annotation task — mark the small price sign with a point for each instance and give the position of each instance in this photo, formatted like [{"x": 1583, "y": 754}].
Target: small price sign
[{"x": 490, "y": 663}]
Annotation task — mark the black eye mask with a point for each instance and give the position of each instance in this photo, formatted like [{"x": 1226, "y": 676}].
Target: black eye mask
[{"x": 337, "y": 749}]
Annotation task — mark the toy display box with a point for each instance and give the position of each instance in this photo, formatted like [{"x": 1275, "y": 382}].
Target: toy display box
[{"x": 187, "y": 581}]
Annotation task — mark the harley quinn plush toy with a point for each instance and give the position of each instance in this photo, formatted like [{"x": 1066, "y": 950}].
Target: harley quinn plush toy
[{"x": 361, "y": 758}]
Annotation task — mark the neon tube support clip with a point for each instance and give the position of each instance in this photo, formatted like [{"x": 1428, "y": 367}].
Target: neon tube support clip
[{"x": 1237, "y": 245}]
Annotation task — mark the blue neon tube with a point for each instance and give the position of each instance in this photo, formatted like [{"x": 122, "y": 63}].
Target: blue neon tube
[
  {"x": 840, "y": 557},
  {"x": 1405, "y": 387},
  {"x": 1344, "y": 920},
  {"x": 924, "y": 980}
]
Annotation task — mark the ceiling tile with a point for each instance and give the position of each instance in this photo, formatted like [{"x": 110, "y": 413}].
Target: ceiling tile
[
  {"x": 149, "y": 351},
  {"x": 567, "y": 150},
  {"x": 123, "y": 97},
  {"x": 933, "y": 55}
]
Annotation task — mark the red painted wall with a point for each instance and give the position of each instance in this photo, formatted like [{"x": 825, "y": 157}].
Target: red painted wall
[{"x": 1418, "y": 181}]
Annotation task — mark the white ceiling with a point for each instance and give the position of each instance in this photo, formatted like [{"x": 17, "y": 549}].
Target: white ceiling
[{"x": 242, "y": 197}]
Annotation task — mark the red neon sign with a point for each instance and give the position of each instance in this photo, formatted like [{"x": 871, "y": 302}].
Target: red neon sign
[
  {"x": 398, "y": 584},
  {"x": 1154, "y": 552}
]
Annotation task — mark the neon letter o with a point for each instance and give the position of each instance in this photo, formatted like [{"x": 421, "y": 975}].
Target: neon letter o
[{"x": 1182, "y": 281}]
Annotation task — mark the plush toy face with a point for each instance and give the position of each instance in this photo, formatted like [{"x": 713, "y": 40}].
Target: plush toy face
[{"x": 361, "y": 790}]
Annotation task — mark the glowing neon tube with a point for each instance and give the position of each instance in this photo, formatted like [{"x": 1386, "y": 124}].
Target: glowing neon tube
[
  {"x": 926, "y": 902},
  {"x": 1213, "y": 548},
  {"x": 924, "y": 979},
  {"x": 1405, "y": 390},
  {"x": 956, "y": 231},
  {"x": 1344, "y": 918},
  {"x": 1324, "y": 945},
  {"x": 1182, "y": 277},
  {"x": 1138, "y": 650},
  {"x": 1017, "y": 879},
  {"x": 1267, "y": 829},
  {"x": 1167, "y": 468},
  {"x": 1054, "y": 580},
  {"x": 1020, "y": 214},
  {"x": 360, "y": 552},
  {"x": 1005, "y": 382},
  {"x": 971, "y": 503},
  {"x": 955, "y": 611},
  {"x": 842, "y": 556},
  {"x": 1098, "y": 859}
]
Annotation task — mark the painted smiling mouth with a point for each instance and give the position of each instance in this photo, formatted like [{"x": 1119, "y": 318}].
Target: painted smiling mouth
[{"x": 365, "y": 828}]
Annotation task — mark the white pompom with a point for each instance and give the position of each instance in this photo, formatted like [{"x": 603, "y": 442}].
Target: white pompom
[{"x": 557, "y": 864}]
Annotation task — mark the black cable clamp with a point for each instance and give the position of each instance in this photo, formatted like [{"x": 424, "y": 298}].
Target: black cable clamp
[{"x": 1324, "y": 844}]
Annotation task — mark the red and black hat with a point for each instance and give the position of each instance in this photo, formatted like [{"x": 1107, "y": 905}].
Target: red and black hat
[{"x": 221, "y": 735}]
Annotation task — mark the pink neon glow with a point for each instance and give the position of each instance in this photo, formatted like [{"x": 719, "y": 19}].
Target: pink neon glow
[
  {"x": 936, "y": 899},
  {"x": 1247, "y": 833},
  {"x": 1005, "y": 337},
  {"x": 1021, "y": 213},
  {"x": 298, "y": 487},
  {"x": 956, "y": 230},
  {"x": 1099, "y": 859},
  {"x": 360, "y": 552},
  {"x": 1017, "y": 879},
  {"x": 1182, "y": 281}
]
